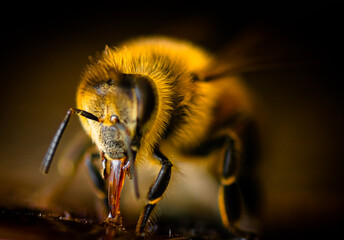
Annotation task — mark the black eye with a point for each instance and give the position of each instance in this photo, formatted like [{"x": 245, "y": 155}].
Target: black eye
[{"x": 110, "y": 82}]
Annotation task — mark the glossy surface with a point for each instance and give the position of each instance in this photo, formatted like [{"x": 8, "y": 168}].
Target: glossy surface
[{"x": 30, "y": 224}]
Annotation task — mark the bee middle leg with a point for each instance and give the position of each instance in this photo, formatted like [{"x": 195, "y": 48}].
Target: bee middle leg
[
  {"x": 230, "y": 197},
  {"x": 155, "y": 192}
]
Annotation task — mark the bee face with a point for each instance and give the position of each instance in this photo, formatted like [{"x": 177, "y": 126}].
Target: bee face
[{"x": 112, "y": 101}]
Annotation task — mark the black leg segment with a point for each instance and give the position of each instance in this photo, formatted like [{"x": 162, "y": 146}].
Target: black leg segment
[
  {"x": 231, "y": 203},
  {"x": 94, "y": 171},
  {"x": 156, "y": 191},
  {"x": 161, "y": 182},
  {"x": 230, "y": 193},
  {"x": 147, "y": 211},
  {"x": 97, "y": 178},
  {"x": 230, "y": 161}
]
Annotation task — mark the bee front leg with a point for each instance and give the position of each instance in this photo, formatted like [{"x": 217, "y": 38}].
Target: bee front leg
[
  {"x": 98, "y": 181},
  {"x": 155, "y": 192}
]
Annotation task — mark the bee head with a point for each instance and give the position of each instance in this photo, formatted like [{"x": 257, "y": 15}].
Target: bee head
[
  {"x": 123, "y": 104},
  {"x": 127, "y": 99}
]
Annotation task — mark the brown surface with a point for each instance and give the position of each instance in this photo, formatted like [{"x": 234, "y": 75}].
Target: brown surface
[{"x": 34, "y": 224}]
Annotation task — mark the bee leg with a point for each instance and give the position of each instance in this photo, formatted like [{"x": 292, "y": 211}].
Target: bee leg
[
  {"x": 155, "y": 192},
  {"x": 230, "y": 198},
  {"x": 98, "y": 181}
]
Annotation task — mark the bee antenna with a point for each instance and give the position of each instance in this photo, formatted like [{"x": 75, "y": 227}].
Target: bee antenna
[{"x": 56, "y": 139}]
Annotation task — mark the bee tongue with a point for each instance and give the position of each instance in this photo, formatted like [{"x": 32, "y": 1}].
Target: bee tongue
[{"x": 115, "y": 185}]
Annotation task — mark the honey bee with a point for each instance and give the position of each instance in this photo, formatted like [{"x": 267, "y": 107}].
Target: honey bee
[{"x": 154, "y": 96}]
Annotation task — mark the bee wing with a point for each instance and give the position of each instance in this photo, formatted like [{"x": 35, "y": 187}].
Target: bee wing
[{"x": 255, "y": 49}]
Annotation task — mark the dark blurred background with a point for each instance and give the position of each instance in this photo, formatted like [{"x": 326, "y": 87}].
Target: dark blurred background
[{"x": 45, "y": 48}]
